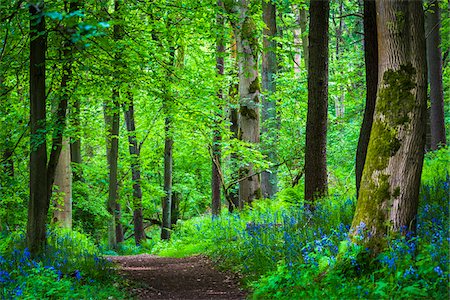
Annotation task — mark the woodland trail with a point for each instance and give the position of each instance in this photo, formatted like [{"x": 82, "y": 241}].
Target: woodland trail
[{"x": 154, "y": 277}]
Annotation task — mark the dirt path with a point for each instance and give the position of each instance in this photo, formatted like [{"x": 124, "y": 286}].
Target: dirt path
[{"x": 154, "y": 277}]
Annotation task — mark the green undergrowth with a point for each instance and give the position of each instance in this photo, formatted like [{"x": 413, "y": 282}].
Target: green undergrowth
[
  {"x": 284, "y": 253},
  {"x": 71, "y": 268}
]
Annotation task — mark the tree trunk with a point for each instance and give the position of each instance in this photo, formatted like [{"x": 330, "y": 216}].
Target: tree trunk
[
  {"x": 75, "y": 141},
  {"x": 249, "y": 92},
  {"x": 168, "y": 153},
  {"x": 389, "y": 192},
  {"x": 134, "y": 150},
  {"x": 233, "y": 193},
  {"x": 63, "y": 181},
  {"x": 39, "y": 199},
  {"x": 339, "y": 106},
  {"x": 371, "y": 60},
  {"x": 270, "y": 125},
  {"x": 63, "y": 171},
  {"x": 217, "y": 137},
  {"x": 434, "y": 60},
  {"x": 316, "y": 123},
  {"x": 302, "y": 21},
  {"x": 112, "y": 120}
]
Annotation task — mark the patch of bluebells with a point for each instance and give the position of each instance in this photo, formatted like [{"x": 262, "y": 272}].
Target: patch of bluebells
[{"x": 18, "y": 264}]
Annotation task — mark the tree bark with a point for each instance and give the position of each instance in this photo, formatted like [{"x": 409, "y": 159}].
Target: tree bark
[
  {"x": 249, "y": 93},
  {"x": 316, "y": 123},
  {"x": 434, "y": 60},
  {"x": 38, "y": 204},
  {"x": 134, "y": 150},
  {"x": 371, "y": 63},
  {"x": 302, "y": 21},
  {"x": 168, "y": 153},
  {"x": 217, "y": 137},
  {"x": 389, "y": 192},
  {"x": 63, "y": 181},
  {"x": 233, "y": 194},
  {"x": 300, "y": 38},
  {"x": 270, "y": 125}
]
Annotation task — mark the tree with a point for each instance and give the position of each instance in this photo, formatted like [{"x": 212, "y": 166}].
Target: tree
[
  {"x": 112, "y": 121},
  {"x": 216, "y": 143},
  {"x": 371, "y": 64},
  {"x": 63, "y": 172},
  {"x": 39, "y": 199},
  {"x": 316, "y": 123},
  {"x": 249, "y": 93},
  {"x": 168, "y": 149},
  {"x": 388, "y": 195},
  {"x": 139, "y": 233},
  {"x": 434, "y": 61},
  {"x": 269, "y": 116}
]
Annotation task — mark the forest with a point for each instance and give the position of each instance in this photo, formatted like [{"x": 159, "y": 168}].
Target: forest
[{"x": 298, "y": 145}]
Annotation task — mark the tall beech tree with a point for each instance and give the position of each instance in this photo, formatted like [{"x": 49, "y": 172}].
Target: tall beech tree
[
  {"x": 249, "y": 92},
  {"x": 134, "y": 151},
  {"x": 168, "y": 147},
  {"x": 112, "y": 121},
  {"x": 42, "y": 172},
  {"x": 63, "y": 172},
  {"x": 371, "y": 65},
  {"x": 316, "y": 183},
  {"x": 388, "y": 196},
  {"x": 216, "y": 142},
  {"x": 434, "y": 61},
  {"x": 269, "y": 120},
  {"x": 39, "y": 198}
]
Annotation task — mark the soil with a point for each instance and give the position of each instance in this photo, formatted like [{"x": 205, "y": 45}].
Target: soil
[{"x": 154, "y": 277}]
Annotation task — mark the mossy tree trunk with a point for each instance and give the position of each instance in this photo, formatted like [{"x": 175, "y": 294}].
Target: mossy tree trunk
[
  {"x": 371, "y": 64},
  {"x": 249, "y": 92},
  {"x": 434, "y": 60},
  {"x": 388, "y": 195},
  {"x": 269, "y": 120},
  {"x": 316, "y": 183}
]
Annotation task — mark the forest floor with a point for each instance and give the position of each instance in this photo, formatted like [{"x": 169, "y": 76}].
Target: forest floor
[{"x": 195, "y": 277}]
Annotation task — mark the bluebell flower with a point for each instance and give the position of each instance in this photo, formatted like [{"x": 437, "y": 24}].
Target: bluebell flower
[
  {"x": 438, "y": 270},
  {"x": 77, "y": 274},
  {"x": 4, "y": 276}
]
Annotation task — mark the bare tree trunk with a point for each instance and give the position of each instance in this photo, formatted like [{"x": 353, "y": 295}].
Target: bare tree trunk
[
  {"x": 38, "y": 204},
  {"x": 270, "y": 125},
  {"x": 134, "y": 150},
  {"x": 63, "y": 182},
  {"x": 217, "y": 137},
  {"x": 389, "y": 192},
  {"x": 168, "y": 154},
  {"x": 302, "y": 21},
  {"x": 316, "y": 183},
  {"x": 434, "y": 60},
  {"x": 371, "y": 59},
  {"x": 233, "y": 194},
  {"x": 339, "y": 106}
]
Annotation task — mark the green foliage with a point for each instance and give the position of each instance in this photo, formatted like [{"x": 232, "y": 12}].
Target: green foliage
[
  {"x": 71, "y": 268},
  {"x": 285, "y": 253}
]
